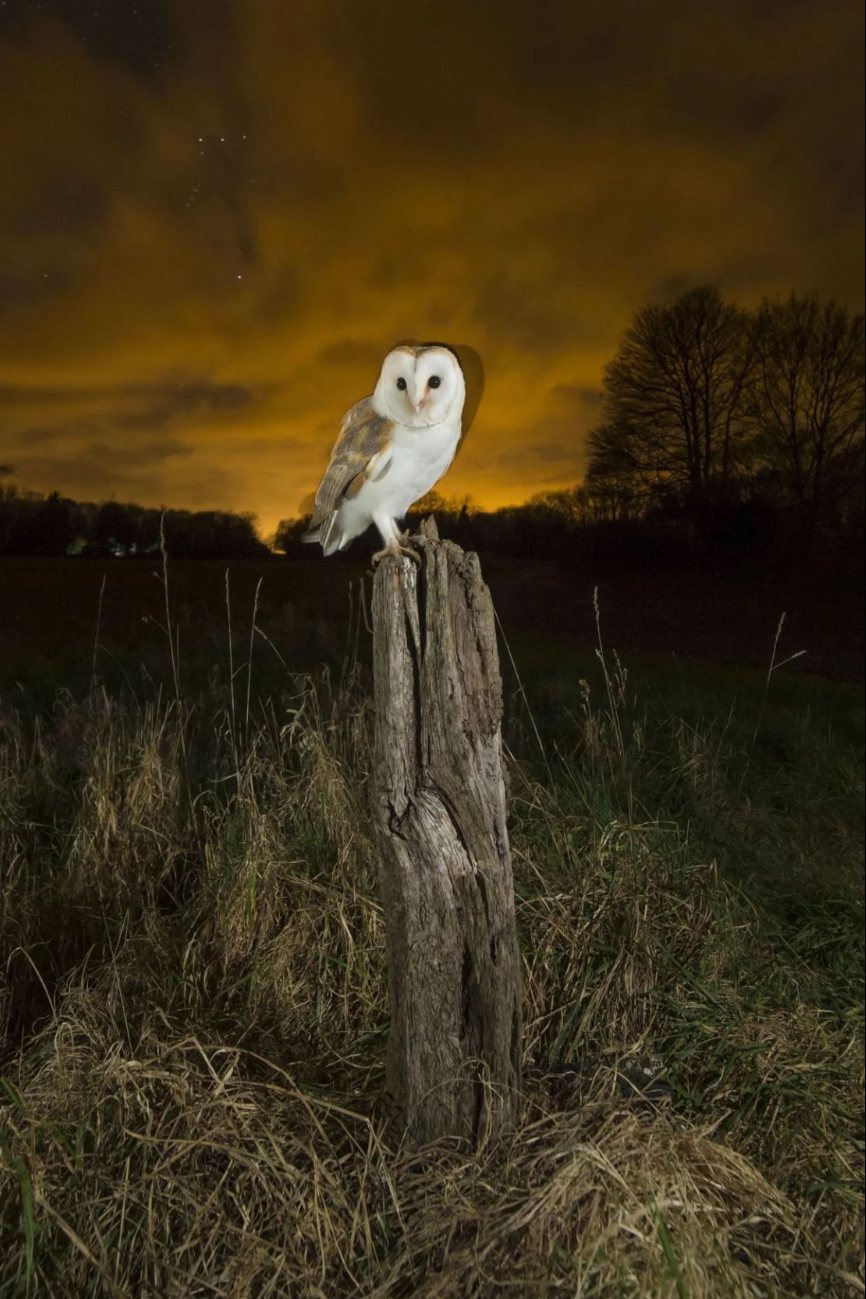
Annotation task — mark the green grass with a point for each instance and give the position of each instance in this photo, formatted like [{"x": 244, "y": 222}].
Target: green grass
[{"x": 193, "y": 994}]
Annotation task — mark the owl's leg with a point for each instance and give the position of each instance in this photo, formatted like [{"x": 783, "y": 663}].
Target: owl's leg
[{"x": 394, "y": 541}]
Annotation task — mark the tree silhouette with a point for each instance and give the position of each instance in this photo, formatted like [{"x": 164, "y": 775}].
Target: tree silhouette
[
  {"x": 614, "y": 478},
  {"x": 212, "y": 534},
  {"x": 114, "y": 526},
  {"x": 674, "y": 400},
  {"x": 53, "y": 526},
  {"x": 434, "y": 503},
  {"x": 289, "y": 533},
  {"x": 7, "y": 498},
  {"x": 809, "y": 403}
]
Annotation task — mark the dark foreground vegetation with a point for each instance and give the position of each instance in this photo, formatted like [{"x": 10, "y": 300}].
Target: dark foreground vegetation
[{"x": 192, "y": 980}]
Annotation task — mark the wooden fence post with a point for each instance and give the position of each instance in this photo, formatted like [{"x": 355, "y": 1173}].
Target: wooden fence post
[{"x": 454, "y": 1054}]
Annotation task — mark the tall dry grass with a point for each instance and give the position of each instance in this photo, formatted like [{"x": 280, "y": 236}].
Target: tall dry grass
[{"x": 192, "y": 996}]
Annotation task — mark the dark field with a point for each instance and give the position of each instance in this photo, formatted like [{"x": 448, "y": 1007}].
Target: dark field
[
  {"x": 192, "y": 973},
  {"x": 49, "y": 611}
]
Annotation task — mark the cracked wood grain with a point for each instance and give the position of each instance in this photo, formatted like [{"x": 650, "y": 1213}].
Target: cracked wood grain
[{"x": 454, "y": 1053}]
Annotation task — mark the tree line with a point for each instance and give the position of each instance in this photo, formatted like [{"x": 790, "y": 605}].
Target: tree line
[
  {"x": 706, "y": 405},
  {"x": 53, "y": 525}
]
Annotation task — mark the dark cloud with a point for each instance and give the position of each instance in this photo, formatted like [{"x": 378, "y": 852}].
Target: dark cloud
[
  {"x": 555, "y": 444},
  {"x": 141, "y": 454},
  {"x": 577, "y": 397},
  {"x": 137, "y": 34},
  {"x": 351, "y": 351},
  {"x": 65, "y": 203},
  {"x": 93, "y": 475},
  {"x": 177, "y": 396},
  {"x": 671, "y": 286},
  {"x": 27, "y": 290},
  {"x": 520, "y": 315},
  {"x": 163, "y": 405},
  {"x": 126, "y": 412},
  {"x": 275, "y": 448},
  {"x": 34, "y": 437}
]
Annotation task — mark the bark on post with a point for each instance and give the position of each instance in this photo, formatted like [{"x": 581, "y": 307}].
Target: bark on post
[{"x": 454, "y": 1054}]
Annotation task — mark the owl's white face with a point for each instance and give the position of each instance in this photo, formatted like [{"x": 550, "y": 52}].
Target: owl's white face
[{"x": 419, "y": 387}]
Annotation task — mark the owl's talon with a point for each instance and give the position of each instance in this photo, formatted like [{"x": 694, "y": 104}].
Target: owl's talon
[
  {"x": 398, "y": 550},
  {"x": 406, "y": 549}
]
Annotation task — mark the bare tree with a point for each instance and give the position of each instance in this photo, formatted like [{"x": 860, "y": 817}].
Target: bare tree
[
  {"x": 675, "y": 398},
  {"x": 616, "y": 479},
  {"x": 7, "y": 497},
  {"x": 601, "y": 497},
  {"x": 809, "y": 402},
  {"x": 567, "y": 504}
]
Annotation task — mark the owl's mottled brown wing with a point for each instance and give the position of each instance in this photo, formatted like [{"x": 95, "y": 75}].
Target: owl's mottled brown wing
[{"x": 364, "y": 435}]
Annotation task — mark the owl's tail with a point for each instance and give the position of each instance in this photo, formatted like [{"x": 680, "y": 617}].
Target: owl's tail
[{"x": 327, "y": 533}]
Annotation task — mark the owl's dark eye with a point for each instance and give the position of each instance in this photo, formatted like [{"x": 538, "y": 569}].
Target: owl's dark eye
[
  {"x": 401, "y": 384},
  {"x": 434, "y": 381}
]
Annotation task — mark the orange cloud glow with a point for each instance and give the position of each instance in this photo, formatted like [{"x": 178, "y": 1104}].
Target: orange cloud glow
[{"x": 215, "y": 226}]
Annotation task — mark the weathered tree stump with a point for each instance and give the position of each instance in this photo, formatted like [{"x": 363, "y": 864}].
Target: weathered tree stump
[{"x": 454, "y": 1054}]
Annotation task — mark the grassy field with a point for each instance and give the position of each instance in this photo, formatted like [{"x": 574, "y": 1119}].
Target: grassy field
[
  {"x": 192, "y": 983},
  {"x": 730, "y": 615}
]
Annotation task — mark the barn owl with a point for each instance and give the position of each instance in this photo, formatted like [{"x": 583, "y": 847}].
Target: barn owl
[{"x": 392, "y": 448}]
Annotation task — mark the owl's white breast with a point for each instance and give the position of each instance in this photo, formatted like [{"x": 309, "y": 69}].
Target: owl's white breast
[{"x": 420, "y": 457}]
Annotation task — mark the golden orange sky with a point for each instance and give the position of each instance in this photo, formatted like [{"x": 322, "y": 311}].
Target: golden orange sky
[{"x": 216, "y": 218}]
